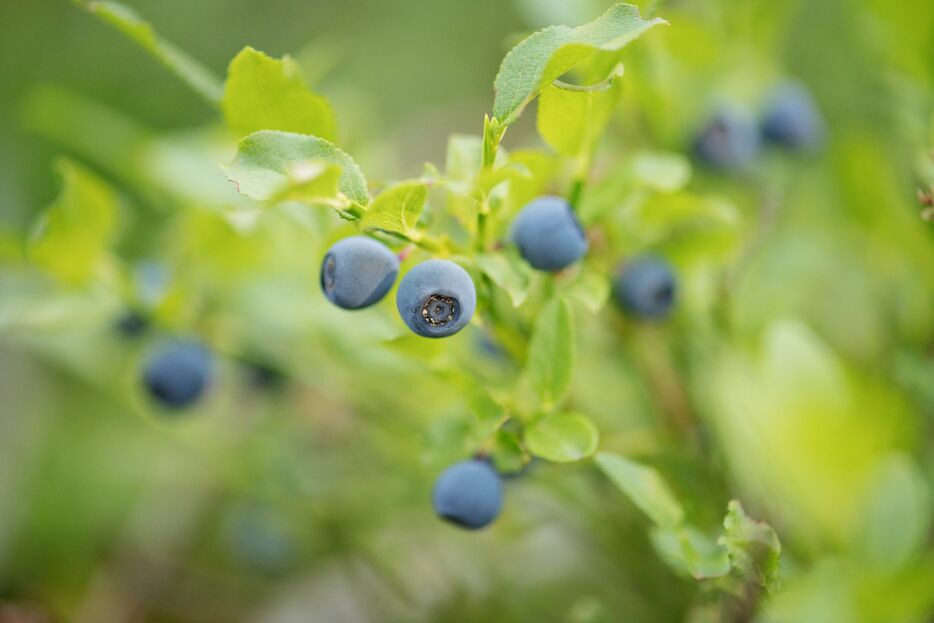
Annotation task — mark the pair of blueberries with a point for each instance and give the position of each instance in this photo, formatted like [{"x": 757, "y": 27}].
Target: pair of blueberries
[{"x": 732, "y": 138}]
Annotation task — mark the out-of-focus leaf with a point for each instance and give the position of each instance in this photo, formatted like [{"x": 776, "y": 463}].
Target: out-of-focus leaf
[
  {"x": 201, "y": 80},
  {"x": 265, "y": 93},
  {"x": 269, "y": 161},
  {"x": 590, "y": 289},
  {"x": 462, "y": 162},
  {"x": 545, "y": 55},
  {"x": 689, "y": 551},
  {"x": 897, "y": 514},
  {"x": 72, "y": 238},
  {"x": 664, "y": 172},
  {"x": 563, "y": 437},
  {"x": 645, "y": 487},
  {"x": 490, "y": 414},
  {"x": 752, "y": 546},
  {"x": 509, "y": 272},
  {"x": 507, "y": 453},
  {"x": 397, "y": 209},
  {"x": 551, "y": 352},
  {"x": 571, "y": 119}
]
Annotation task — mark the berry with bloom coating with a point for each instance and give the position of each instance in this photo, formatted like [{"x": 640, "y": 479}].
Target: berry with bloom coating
[
  {"x": 177, "y": 374},
  {"x": 358, "y": 272},
  {"x": 468, "y": 494},
  {"x": 791, "y": 118},
  {"x": 548, "y": 234},
  {"x": 646, "y": 287},
  {"x": 729, "y": 141},
  {"x": 436, "y": 298}
]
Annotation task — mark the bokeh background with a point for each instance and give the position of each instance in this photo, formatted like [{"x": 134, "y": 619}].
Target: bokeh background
[{"x": 298, "y": 491}]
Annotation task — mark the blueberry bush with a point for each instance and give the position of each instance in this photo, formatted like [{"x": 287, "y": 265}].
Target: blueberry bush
[{"x": 654, "y": 342}]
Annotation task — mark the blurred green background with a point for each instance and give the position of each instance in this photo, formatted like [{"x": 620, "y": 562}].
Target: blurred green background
[{"x": 810, "y": 373}]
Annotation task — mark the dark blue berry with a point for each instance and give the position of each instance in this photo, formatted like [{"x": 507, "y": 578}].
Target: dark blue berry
[
  {"x": 646, "y": 287},
  {"x": 436, "y": 298},
  {"x": 729, "y": 141},
  {"x": 468, "y": 494},
  {"x": 791, "y": 118},
  {"x": 358, "y": 272},
  {"x": 177, "y": 374},
  {"x": 548, "y": 234}
]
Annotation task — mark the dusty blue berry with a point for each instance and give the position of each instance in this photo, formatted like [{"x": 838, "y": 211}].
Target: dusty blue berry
[
  {"x": 729, "y": 141},
  {"x": 791, "y": 118},
  {"x": 436, "y": 298},
  {"x": 468, "y": 494},
  {"x": 646, "y": 287},
  {"x": 177, "y": 374},
  {"x": 358, "y": 272},
  {"x": 548, "y": 234}
]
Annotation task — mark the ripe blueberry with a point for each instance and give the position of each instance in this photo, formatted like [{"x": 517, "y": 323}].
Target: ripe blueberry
[
  {"x": 436, "y": 298},
  {"x": 791, "y": 118},
  {"x": 646, "y": 287},
  {"x": 548, "y": 234},
  {"x": 357, "y": 272},
  {"x": 177, "y": 374},
  {"x": 468, "y": 494},
  {"x": 729, "y": 141},
  {"x": 132, "y": 323}
]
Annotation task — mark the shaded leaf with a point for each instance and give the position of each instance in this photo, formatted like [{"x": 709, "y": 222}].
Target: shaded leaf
[
  {"x": 645, "y": 488},
  {"x": 571, "y": 119},
  {"x": 508, "y": 272},
  {"x": 201, "y": 80},
  {"x": 551, "y": 352},
  {"x": 688, "y": 551},
  {"x": 590, "y": 289}
]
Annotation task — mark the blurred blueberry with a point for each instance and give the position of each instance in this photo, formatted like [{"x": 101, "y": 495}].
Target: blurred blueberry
[
  {"x": 791, "y": 118},
  {"x": 264, "y": 376},
  {"x": 132, "y": 323},
  {"x": 468, "y": 494},
  {"x": 729, "y": 141},
  {"x": 548, "y": 234},
  {"x": 358, "y": 272},
  {"x": 436, "y": 298},
  {"x": 178, "y": 373},
  {"x": 646, "y": 287},
  {"x": 260, "y": 540}
]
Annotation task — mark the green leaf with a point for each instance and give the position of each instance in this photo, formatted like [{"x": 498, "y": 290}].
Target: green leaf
[
  {"x": 268, "y": 162},
  {"x": 562, "y": 438},
  {"x": 571, "y": 119},
  {"x": 687, "y": 550},
  {"x": 645, "y": 487},
  {"x": 545, "y": 55},
  {"x": 264, "y": 93},
  {"x": 507, "y": 453},
  {"x": 590, "y": 289},
  {"x": 551, "y": 352},
  {"x": 201, "y": 80},
  {"x": 508, "y": 272},
  {"x": 71, "y": 239},
  {"x": 397, "y": 209},
  {"x": 752, "y": 546},
  {"x": 664, "y": 172}
]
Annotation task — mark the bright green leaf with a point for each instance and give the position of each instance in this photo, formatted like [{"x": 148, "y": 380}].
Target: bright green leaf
[
  {"x": 192, "y": 72},
  {"x": 571, "y": 119},
  {"x": 551, "y": 352},
  {"x": 71, "y": 239},
  {"x": 752, "y": 546},
  {"x": 562, "y": 438},
  {"x": 397, "y": 209},
  {"x": 507, "y": 453},
  {"x": 264, "y": 93},
  {"x": 268, "y": 163},
  {"x": 508, "y": 272},
  {"x": 545, "y": 55},
  {"x": 664, "y": 172},
  {"x": 645, "y": 488}
]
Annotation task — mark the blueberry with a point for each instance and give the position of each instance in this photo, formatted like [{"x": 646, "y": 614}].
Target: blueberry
[
  {"x": 729, "y": 141},
  {"x": 791, "y": 118},
  {"x": 468, "y": 494},
  {"x": 436, "y": 298},
  {"x": 132, "y": 323},
  {"x": 358, "y": 272},
  {"x": 548, "y": 234},
  {"x": 646, "y": 287},
  {"x": 178, "y": 374}
]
